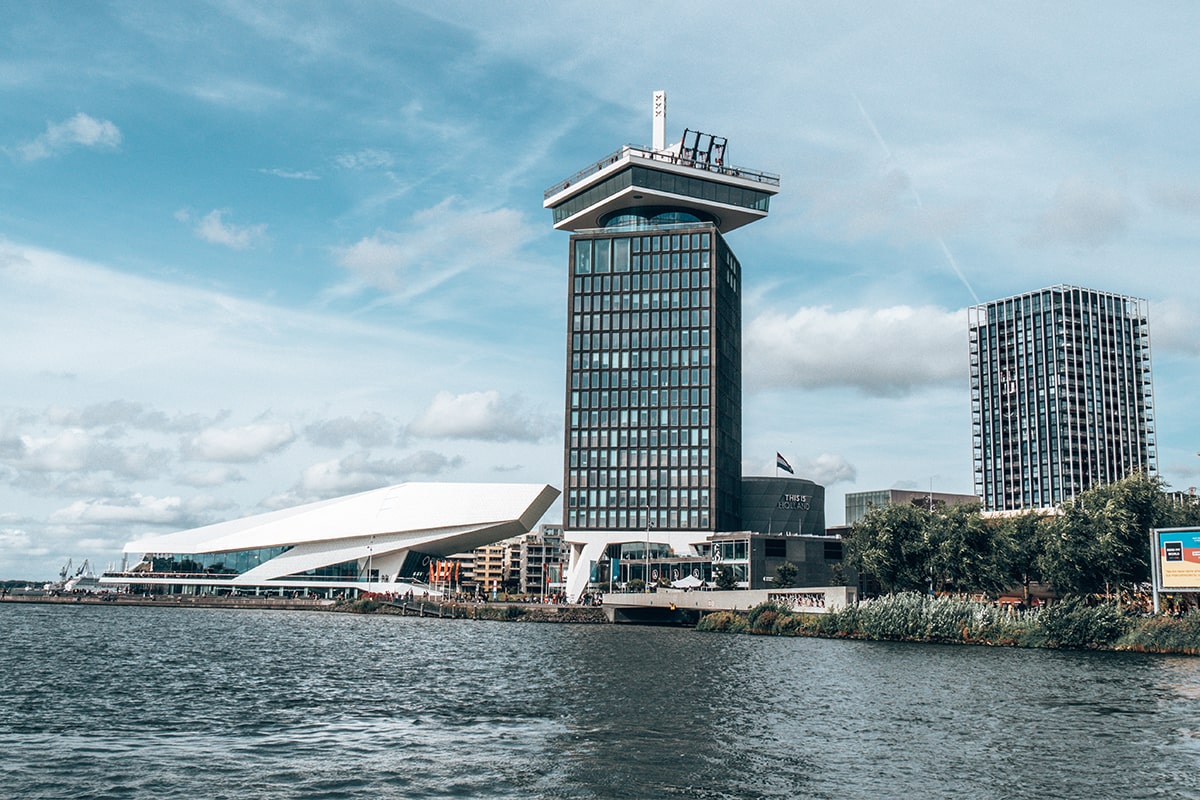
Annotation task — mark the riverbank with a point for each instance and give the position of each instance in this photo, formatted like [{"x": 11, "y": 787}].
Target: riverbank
[
  {"x": 495, "y": 612},
  {"x": 179, "y": 601},
  {"x": 498, "y": 612},
  {"x": 1067, "y": 624}
]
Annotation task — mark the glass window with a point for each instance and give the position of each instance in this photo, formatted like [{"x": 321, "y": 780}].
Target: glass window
[
  {"x": 602, "y": 261},
  {"x": 620, "y": 255},
  {"x": 583, "y": 256}
]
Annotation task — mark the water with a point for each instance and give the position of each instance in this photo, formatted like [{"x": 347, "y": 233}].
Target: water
[{"x": 104, "y": 702}]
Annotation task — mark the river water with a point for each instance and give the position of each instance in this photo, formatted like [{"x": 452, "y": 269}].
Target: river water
[{"x": 107, "y": 702}]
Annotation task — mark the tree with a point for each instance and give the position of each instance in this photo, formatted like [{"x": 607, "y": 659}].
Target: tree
[
  {"x": 1019, "y": 541},
  {"x": 964, "y": 556},
  {"x": 1081, "y": 551},
  {"x": 1101, "y": 539},
  {"x": 785, "y": 576},
  {"x": 725, "y": 578},
  {"x": 891, "y": 543}
]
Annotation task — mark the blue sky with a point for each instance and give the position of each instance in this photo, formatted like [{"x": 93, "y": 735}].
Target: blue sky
[{"x": 257, "y": 254}]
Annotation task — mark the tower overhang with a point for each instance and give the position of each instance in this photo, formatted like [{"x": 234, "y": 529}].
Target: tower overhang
[{"x": 638, "y": 177}]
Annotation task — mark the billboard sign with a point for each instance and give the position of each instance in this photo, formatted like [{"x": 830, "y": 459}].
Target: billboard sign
[{"x": 1177, "y": 559}]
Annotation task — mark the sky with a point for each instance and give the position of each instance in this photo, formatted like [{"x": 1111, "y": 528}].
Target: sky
[{"x": 257, "y": 254}]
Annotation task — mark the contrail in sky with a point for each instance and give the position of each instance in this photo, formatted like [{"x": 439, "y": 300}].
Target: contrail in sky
[{"x": 917, "y": 199}]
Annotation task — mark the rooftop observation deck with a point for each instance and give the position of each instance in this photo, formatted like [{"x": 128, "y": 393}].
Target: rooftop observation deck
[
  {"x": 667, "y": 157},
  {"x": 637, "y": 177}
]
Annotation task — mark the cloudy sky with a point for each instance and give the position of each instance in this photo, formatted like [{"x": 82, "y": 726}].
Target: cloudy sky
[{"x": 256, "y": 254}]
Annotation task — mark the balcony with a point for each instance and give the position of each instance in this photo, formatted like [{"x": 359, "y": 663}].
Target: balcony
[{"x": 766, "y": 178}]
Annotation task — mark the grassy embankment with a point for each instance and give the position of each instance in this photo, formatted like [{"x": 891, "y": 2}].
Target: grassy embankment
[{"x": 918, "y": 618}]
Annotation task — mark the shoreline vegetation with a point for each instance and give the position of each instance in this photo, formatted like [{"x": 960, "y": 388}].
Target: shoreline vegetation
[
  {"x": 1070, "y": 624},
  {"x": 495, "y": 612},
  {"x": 502, "y": 611}
]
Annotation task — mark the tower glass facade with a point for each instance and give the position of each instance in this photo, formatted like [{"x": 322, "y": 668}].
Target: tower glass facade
[
  {"x": 653, "y": 426},
  {"x": 1061, "y": 395},
  {"x": 653, "y": 416}
]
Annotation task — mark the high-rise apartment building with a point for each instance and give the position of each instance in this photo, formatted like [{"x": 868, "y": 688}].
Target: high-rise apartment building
[
  {"x": 1061, "y": 395},
  {"x": 653, "y": 412}
]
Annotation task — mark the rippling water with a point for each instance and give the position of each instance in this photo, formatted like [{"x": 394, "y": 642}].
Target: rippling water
[{"x": 187, "y": 703}]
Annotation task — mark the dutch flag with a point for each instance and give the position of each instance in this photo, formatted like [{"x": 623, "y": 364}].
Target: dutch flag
[{"x": 781, "y": 463}]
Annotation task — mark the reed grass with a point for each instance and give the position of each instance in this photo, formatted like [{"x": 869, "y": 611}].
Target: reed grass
[{"x": 1067, "y": 624}]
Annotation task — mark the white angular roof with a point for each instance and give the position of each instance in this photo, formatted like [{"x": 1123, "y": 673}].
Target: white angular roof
[{"x": 443, "y": 517}]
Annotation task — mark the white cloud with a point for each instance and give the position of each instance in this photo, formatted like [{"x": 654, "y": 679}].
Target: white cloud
[
  {"x": 239, "y": 445},
  {"x": 883, "y": 352},
  {"x": 128, "y": 414},
  {"x": 436, "y": 245},
  {"x": 80, "y": 130},
  {"x": 487, "y": 416},
  {"x": 74, "y": 450},
  {"x": 1175, "y": 327},
  {"x": 15, "y": 541},
  {"x": 215, "y": 230},
  {"x": 358, "y": 472},
  {"x": 217, "y": 476},
  {"x": 293, "y": 175},
  {"x": 237, "y": 93},
  {"x": 826, "y": 469},
  {"x": 113, "y": 412},
  {"x": 139, "y": 509},
  {"x": 66, "y": 451},
  {"x": 368, "y": 158}
]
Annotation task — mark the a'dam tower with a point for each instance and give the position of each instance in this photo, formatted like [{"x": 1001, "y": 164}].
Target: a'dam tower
[{"x": 653, "y": 396}]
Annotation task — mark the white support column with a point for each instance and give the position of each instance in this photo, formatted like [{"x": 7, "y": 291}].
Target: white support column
[{"x": 579, "y": 571}]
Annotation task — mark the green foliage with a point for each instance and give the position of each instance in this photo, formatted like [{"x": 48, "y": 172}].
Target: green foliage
[
  {"x": 789, "y": 624},
  {"x": 499, "y": 613},
  {"x": 1164, "y": 635},
  {"x": 964, "y": 554},
  {"x": 725, "y": 578},
  {"x": 762, "y": 617},
  {"x": 1070, "y": 623},
  {"x": 723, "y": 622},
  {"x": 363, "y": 605},
  {"x": 1073, "y": 624},
  {"x": 1094, "y": 546},
  {"x": 949, "y": 620},
  {"x": 636, "y": 585},
  {"x": 901, "y": 616},
  {"x": 842, "y": 621},
  {"x": 785, "y": 576},
  {"x": 892, "y": 544},
  {"x": 1100, "y": 539},
  {"x": 1184, "y": 515},
  {"x": 1018, "y": 541}
]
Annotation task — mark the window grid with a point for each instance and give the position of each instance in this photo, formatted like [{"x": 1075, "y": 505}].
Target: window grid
[{"x": 649, "y": 413}]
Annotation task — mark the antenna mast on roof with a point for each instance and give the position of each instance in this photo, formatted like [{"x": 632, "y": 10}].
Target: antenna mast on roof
[{"x": 660, "y": 120}]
